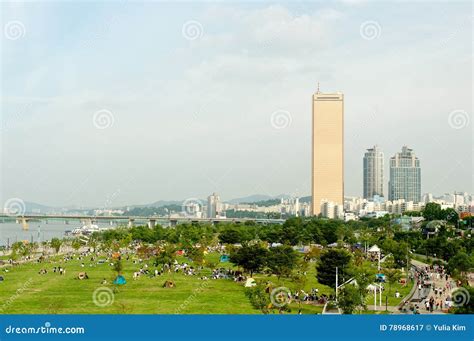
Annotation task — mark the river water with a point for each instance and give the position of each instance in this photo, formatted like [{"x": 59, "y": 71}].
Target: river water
[{"x": 38, "y": 231}]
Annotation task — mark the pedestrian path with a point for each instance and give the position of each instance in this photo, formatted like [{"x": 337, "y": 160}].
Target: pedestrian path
[{"x": 433, "y": 295}]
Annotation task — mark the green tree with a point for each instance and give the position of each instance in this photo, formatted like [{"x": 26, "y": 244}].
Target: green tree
[
  {"x": 281, "y": 260},
  {"x": 118, "y": 267},
  {"x": 326, "y": 268},
  {"x": 56, "y": 244},
  {"x": 76, "y": 244},
  {"x": 402, "y": 255},
  {"x": 392, "y": 276},
  {"x": 258, "y": 298},
  {"x": 126, "y": 240},
  {"x": 166, "y": 256},
  {"x": 459, "y": 264},
  {"x": 196, "y": 254},
  {"x": 432, "y": 211},
  {"x": 230, "y": 236},
  {"x": 313, "y": 254},
  {"x": 252, "y": 258},
  {"x": 363, "y": 275},
  {"x": 349, "y": 299},
  {"x": 450, "y": 215}
]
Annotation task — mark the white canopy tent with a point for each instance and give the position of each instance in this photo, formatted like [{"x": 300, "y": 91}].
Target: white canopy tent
[{"x": 374, "y": 248}]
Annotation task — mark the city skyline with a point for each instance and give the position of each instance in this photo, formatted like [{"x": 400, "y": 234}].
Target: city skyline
[{"x": 178, "y": 104}]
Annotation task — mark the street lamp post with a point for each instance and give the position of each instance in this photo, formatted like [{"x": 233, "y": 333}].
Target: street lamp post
[{"x": 375, "y": 297}]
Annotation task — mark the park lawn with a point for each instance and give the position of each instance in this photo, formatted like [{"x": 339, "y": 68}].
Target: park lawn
[
  {"x": 404, "y": 290},
  {"x": 311, "y": 282},
  {"x": 53, "y": 293},
  {"x": 24, "y": 291}
]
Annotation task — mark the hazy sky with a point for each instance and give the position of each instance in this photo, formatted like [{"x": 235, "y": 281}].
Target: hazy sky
[{"x": 108, "y": 104}]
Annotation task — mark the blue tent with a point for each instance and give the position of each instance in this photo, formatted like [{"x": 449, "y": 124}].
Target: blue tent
[
  {"x": 224, "y": 258},
  {"x": 120, "y": 280}
]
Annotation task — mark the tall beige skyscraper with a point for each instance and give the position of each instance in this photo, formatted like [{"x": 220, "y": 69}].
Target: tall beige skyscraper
[{"x": 328, "y": 149}]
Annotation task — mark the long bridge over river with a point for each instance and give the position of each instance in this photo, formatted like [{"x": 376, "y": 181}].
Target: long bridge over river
[{"x": 130, "y": 220}]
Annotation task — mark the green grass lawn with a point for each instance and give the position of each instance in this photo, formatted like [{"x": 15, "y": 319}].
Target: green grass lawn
[
  {"x": 24, "y": 291},
  {"x": 404, "y": 290}
]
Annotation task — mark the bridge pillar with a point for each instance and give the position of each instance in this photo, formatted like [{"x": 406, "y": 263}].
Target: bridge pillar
[
  {"x": 151, "y": 223},
  {"x": 173, "y": 222},
  {"x": 130, "y": 222},
  {"x": 24, "y": 222}
]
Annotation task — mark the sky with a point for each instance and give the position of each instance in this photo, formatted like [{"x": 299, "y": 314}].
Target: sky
[{"x": 116, "y": 103}]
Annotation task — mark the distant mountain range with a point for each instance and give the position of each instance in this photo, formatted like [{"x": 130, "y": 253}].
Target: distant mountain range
[
  {"x": 256, "y": 198},
  {"x": 159, "y": 203},
  {"x": 32, "y": 207}
]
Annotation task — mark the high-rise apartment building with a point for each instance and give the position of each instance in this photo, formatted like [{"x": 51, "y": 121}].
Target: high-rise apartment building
[
  {"x": 328, "y": 150},
  {"x": 405, "y": 176},
  {"x": 213, "y": 205},
  {"x": 373, "y": 173}
]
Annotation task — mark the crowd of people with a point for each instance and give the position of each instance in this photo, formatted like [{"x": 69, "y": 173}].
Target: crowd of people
[{"x": 434, "y": 289}]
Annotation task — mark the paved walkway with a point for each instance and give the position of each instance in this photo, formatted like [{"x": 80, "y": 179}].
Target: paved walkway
[
  {"x": 421, "y": 296},
  {"x": 438, "y": 281}
]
